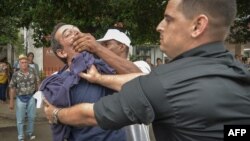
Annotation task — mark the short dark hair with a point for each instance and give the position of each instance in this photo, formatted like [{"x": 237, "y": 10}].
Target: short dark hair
[
  {"x": 30, "y": 53},
  {"x": 55, "y": 45},
  {"x": 158, "y": 59},
  {"x": 222, "y": 12}
]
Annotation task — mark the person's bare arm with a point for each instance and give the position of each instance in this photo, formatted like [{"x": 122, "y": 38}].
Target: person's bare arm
[
  {"x": 38, "y": 82},
  {"x": 121, "y": 65},
  {"x": 114, "y": 82},
  {"x": 87, "y": 42},
  {"x": 12, "y": 93},
  {"x": 83, "y": 114}
]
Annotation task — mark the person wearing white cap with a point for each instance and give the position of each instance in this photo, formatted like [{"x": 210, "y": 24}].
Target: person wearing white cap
[
  {"x": 118, "y": 49},
  {"x": 119, "y": 43},
  {"x": 84, "y": 41},
  {"x": 114, "y": 34}
]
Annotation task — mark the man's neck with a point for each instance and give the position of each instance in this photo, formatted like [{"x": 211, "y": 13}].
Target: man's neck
[
  {"x": 69, "y": 60},
  {"x": 25, "y": 70}
]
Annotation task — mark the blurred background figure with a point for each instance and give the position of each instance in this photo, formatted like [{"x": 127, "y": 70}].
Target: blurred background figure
[
  {"x": 148, "y": 60},
  {"x": 158, "y": 62},
  {"x": 166, "y": 60},
  {"x": 30, "y": 56},
  {"x": 5, "y": 73},
  {"x": 23, "y": 85}
]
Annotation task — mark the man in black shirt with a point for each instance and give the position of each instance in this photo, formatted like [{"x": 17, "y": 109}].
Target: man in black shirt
[{"x": 192, "y": 97}]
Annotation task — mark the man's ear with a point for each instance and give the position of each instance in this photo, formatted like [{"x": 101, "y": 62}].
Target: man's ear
[
  {"x": 199, "y": 25},
  {"x": 61, "y": 53},
  {"x": 123, "y": 47}
]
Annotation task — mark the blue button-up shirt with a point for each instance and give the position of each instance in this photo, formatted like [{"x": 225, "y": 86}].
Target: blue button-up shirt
[{"x": 66, "y": 88}]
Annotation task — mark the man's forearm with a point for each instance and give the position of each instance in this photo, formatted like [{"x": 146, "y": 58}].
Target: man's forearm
[
  {"x": 12, "y": 93},
  {"x": 116, "y": 82},
  {"x": 121, "y": 65},
  {"x": 78, "y": 115}
]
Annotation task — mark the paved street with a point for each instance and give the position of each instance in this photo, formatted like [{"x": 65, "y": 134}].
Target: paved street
[
  {"x": 9, "y": 133},
  {"x": 8, "y": 130}
]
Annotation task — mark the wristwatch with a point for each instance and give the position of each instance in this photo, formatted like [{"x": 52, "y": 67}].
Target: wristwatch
[{"x": 55, "y": 115}]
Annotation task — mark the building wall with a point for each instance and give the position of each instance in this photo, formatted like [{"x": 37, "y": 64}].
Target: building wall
[
  {"x": 38, "y": 52},
  {"x": 51, "y": 62}
]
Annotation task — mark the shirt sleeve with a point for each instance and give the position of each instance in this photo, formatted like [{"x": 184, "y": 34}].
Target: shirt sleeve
[{"x": 129, "y": 106}]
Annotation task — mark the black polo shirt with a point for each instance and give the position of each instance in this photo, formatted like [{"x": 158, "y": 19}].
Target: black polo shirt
[{"x": 189, "y": 99}]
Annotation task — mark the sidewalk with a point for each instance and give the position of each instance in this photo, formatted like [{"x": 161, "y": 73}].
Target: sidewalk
[{"x": 6, "y": 113}]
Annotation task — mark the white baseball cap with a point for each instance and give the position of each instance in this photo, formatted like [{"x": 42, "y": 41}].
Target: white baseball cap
[{"x": 114, "y": 34}]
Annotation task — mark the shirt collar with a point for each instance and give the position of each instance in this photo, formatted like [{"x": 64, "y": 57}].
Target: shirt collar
[{"x": 205, "y": 50}]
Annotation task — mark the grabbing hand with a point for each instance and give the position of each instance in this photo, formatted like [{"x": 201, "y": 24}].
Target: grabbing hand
[
  {"x": 92, "y": 75},
  {"x": 85, "y": 42},
  {"x": 48, "y": 110}
]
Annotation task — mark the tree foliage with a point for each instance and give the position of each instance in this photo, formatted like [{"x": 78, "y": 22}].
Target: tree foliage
[
  {"x": 8, "y": 23},
  {"x": 240, "y": 32},
  {"x": 140, "y": 18}
]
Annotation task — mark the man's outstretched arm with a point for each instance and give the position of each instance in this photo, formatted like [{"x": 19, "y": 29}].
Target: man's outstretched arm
[
  {"x": 78, "y": 115},
  {"x": 114, "y": 82},
  {"x": 129, "y": 106},
  {"x": 86, "y": 42}
]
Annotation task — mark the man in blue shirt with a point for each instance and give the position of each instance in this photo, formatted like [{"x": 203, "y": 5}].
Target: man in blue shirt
[{"x": 77, "y": 90}]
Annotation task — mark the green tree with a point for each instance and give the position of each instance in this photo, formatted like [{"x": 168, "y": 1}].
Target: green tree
[
  {"x": 8, "y": 30},
  {"x": 239, "y": 32},
  {"x": 139, "y": 17}
]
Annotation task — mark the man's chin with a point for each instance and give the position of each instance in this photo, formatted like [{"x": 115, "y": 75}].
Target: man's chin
[{"x": 162, "y": 48}]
